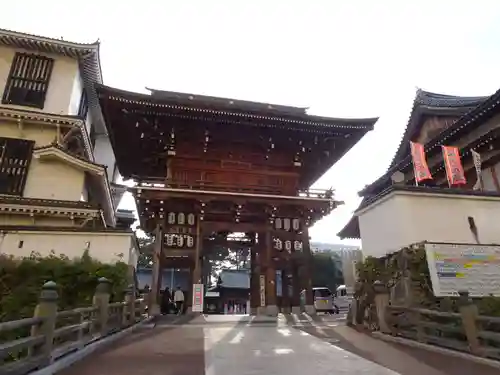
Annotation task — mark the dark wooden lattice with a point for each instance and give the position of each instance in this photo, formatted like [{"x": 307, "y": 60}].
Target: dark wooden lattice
[
  {"x": 28, "y": 80},
  {"x": 15, "y": 157}
]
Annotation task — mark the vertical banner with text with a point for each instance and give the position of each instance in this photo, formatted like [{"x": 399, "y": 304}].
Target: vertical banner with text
[
  {"x": 262, "y": 290},
  {"x": 198, "y": 297},
  {"x": 476, "y": 159},
  {"x": 420, "y": 167},
  {"x": 453, "y": 164}
]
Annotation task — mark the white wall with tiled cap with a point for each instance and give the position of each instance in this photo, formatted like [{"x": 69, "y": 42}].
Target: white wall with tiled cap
[{"x": 406, "y": 217}]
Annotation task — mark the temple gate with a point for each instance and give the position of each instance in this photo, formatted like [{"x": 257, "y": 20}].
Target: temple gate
[{"x": 207, "y": 167}]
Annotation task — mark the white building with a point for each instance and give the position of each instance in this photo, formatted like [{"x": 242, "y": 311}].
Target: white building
[
  {"x": 58, "y": 190},
  {"x": 395, "y": 213}
]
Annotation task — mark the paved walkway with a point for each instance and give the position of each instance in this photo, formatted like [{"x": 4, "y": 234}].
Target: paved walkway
[{"x": 220, "y": 345}]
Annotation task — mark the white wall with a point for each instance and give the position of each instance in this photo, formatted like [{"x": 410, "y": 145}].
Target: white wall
[
  {"x": 402, "y": 218},
  {"x": 104, "y": 246},
  {"x": 76, "y": 95},
  {"x": 103, "y": 154}
]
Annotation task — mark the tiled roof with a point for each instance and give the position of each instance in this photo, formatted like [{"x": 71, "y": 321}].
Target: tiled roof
[
  {"x": 212, "y": 101},
  {"x": 69, "y": 153},
  {"x": 431, "y": 103},
  {"x": 477, "y": 115},
  {"x": 351, "y": 229},
  {"x": 46, "y": 202},
  {"x": 295, "y": 119},
  {"x": 424, "y": 103}
]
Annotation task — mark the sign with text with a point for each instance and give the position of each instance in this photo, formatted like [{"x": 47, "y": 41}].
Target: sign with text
[
  {"x": 262, "y": 290},
  {"x": 287, "y": 245},
  {"x": 198, "y": 297},
  {"x": 464, "y": 267}
]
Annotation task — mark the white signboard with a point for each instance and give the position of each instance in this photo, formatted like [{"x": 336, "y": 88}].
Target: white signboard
[
  {"x": 464, "y": 267},
  {"x": 262, "y": 290}
]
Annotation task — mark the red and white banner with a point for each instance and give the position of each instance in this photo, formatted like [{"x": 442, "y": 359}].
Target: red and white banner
[
  {"x": 453, "y": 164},
  {"x": 420, "y": 167}
]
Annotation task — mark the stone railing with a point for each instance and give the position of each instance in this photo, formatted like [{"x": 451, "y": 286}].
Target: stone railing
[
  {"x": 463, "y": 331},
  {"x": 51, "y": 335}
]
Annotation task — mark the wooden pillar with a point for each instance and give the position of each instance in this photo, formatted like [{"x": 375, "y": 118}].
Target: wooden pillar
[
  {"x": 197, "y": 256},
  {"x": 196, "y": 271},
  {"x": 307, "y": 272},
  {"x": 254, "y": 280},
  {"x": 154, "y": 308},
  {"x": 271, "y": 307},
  {"x": 285, "y": 291}
]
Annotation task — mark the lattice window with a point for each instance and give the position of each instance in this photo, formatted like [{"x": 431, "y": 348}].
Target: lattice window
[
  {"x": 28, "y": 80},
  {"x": 15, "y": 157}
]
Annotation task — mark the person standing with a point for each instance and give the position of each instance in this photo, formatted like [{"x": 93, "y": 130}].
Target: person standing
[{"x": 179, "y": 300}]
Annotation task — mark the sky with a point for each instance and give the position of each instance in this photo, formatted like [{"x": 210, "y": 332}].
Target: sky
[{"x": 356, "y": 58}]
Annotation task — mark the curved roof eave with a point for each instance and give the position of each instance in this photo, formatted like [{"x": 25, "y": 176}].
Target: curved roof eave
[
  {"x": 145, "y": 99},
  {"x": 426, "y": 102},
  {"x": 478, "y": 113}
]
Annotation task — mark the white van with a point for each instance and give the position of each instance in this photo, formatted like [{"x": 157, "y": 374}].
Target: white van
[
  {"x": 323, "y": 300},
  {"x": 343, "y": 297}
]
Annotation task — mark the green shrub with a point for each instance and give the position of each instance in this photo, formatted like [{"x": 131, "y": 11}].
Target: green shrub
[{"x": 21, "y": 280}]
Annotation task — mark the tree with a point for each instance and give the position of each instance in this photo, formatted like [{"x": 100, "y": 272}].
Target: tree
[
  {"x": 326, "y": 271},
  {"x": 145, "y": 257}
]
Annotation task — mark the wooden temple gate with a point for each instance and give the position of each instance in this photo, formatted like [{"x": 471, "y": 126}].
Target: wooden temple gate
[
  {"x": 206, "y": 167},
  {"x": 185, "y": 221}
]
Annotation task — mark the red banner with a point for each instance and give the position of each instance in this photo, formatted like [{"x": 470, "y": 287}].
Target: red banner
[
  {"x": 420, "y": 166},
  {"x": 453, "y": 164}
]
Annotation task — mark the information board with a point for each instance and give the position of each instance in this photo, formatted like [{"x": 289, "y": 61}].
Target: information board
[{"x": 464, "y": 267}]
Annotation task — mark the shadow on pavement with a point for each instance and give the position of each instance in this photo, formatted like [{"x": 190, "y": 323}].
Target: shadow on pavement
[
  {"x": 397, "y": 357},
  {"x": 164, "y": 349}
]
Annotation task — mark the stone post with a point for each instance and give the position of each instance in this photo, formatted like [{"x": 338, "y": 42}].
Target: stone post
[
  {"x": 469, "y": 314},
  {"x": 101, "y": 301},
  {"x": 46, "y": 309},
  {"x": 381, "y": 303},
  {"x": 129, "y": 309}
]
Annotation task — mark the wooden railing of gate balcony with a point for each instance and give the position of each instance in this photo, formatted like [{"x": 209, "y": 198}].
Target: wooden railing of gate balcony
[{"x": 33, "y": 343}]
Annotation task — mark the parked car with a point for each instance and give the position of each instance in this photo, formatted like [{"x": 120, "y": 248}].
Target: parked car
[
  {"x": 343, "y": 297},
  {"x": 324, "y": 300}
]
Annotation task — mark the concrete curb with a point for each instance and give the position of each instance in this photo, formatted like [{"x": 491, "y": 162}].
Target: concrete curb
[
  {"x": 436, "y": 349},
  {"x": 68, "y": 360}
]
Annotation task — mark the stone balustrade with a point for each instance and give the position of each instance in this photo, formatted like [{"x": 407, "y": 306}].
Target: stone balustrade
[{"x": 33, "y": 343}]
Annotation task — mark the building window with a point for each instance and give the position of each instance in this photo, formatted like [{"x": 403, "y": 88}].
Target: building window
[
  {"x": 15, "y": 157},
  {"x": 84, "y": 105},
  {"x": 28, "y": 80}
]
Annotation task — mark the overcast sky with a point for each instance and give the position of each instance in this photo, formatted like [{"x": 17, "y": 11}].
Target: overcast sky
[{"x": 340, "y": 58}]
